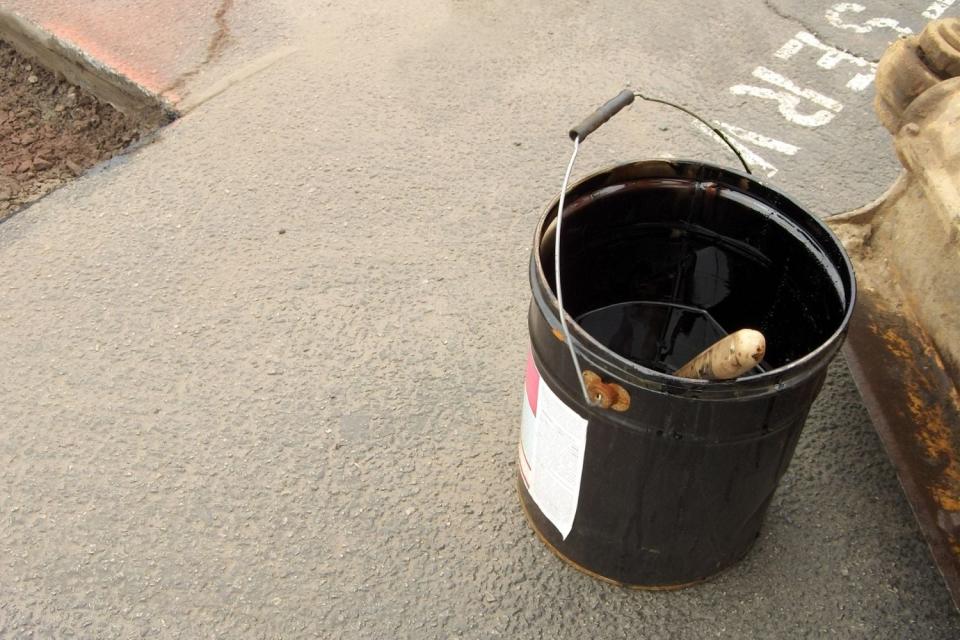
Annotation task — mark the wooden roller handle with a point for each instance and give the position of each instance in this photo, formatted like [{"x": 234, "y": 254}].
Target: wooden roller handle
[{"x": 727, "y": 358}]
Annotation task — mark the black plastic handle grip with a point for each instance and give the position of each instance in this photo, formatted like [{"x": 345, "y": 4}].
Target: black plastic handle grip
[{"x": 592, "y": 122}]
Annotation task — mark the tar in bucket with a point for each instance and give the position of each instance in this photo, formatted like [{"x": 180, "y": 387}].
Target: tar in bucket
[{"x": 650, "y": 479}]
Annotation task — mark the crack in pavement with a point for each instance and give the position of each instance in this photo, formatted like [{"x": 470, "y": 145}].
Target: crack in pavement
[
  {"x": 215, "y": 47},
  {"x": 777, "y": 11},
  {"x": 222, "y": 36}
]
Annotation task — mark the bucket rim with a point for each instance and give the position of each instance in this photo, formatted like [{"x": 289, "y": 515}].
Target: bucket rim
[{"x": 793, "y": 371}]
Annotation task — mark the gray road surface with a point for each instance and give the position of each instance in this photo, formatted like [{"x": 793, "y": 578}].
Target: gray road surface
[{"x": 262, "y": 377}]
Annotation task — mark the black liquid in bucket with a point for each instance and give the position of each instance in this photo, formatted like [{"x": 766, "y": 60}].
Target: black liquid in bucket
[
  {"x": 659, "y": 335},
  {"x": 710, "y": 255},
  {"x": 660, "y": 259}
]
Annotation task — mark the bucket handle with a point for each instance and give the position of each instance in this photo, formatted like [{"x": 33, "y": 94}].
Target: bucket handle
[{"x": 578, "y": 134}]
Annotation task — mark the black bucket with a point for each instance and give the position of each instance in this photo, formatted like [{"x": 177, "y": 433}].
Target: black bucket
[{"x": 669, "y": 484}]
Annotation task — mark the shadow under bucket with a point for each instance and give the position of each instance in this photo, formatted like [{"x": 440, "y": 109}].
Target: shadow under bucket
[{"x": 669, "y": 485}]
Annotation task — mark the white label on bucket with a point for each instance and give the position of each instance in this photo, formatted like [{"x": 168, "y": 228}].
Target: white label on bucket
[{"x": 553, "y": 439}]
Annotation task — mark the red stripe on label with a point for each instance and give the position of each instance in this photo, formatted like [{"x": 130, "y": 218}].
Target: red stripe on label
[{"x": 532, "y": 382}]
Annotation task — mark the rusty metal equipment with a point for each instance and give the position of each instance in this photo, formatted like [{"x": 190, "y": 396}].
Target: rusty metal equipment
[{"x": 904, "y": 340}]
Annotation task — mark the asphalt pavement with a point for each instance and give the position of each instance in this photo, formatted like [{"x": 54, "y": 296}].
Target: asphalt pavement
[{"x": 261, "y": 378}]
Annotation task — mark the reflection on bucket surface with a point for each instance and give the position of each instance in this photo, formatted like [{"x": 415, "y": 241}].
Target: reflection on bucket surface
[{"x": 661, "y": 259}]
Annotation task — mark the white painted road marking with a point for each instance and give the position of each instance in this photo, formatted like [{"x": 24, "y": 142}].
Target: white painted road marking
[
  {"x": 936, "y": 9},
  {"x": 830, "y": 58},
  {"x": 755, "y": 160},
  {"x": 834, "y": 17},
  {"x": 760, "y": 140},
  {"x": 789, "y": 100}
]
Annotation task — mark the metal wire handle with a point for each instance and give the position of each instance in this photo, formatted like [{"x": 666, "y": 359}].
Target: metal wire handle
[{"x": 578, "y": 134}]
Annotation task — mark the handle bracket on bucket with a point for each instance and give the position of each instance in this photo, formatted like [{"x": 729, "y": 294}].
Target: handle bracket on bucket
[{"x": 578, "y": 134}]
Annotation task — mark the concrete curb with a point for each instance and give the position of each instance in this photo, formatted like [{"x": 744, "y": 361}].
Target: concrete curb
[{"x": 66, "y": 59}]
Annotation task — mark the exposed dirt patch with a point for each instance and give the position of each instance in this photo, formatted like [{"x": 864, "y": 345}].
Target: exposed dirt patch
[{"x": 50, "y": 131}]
